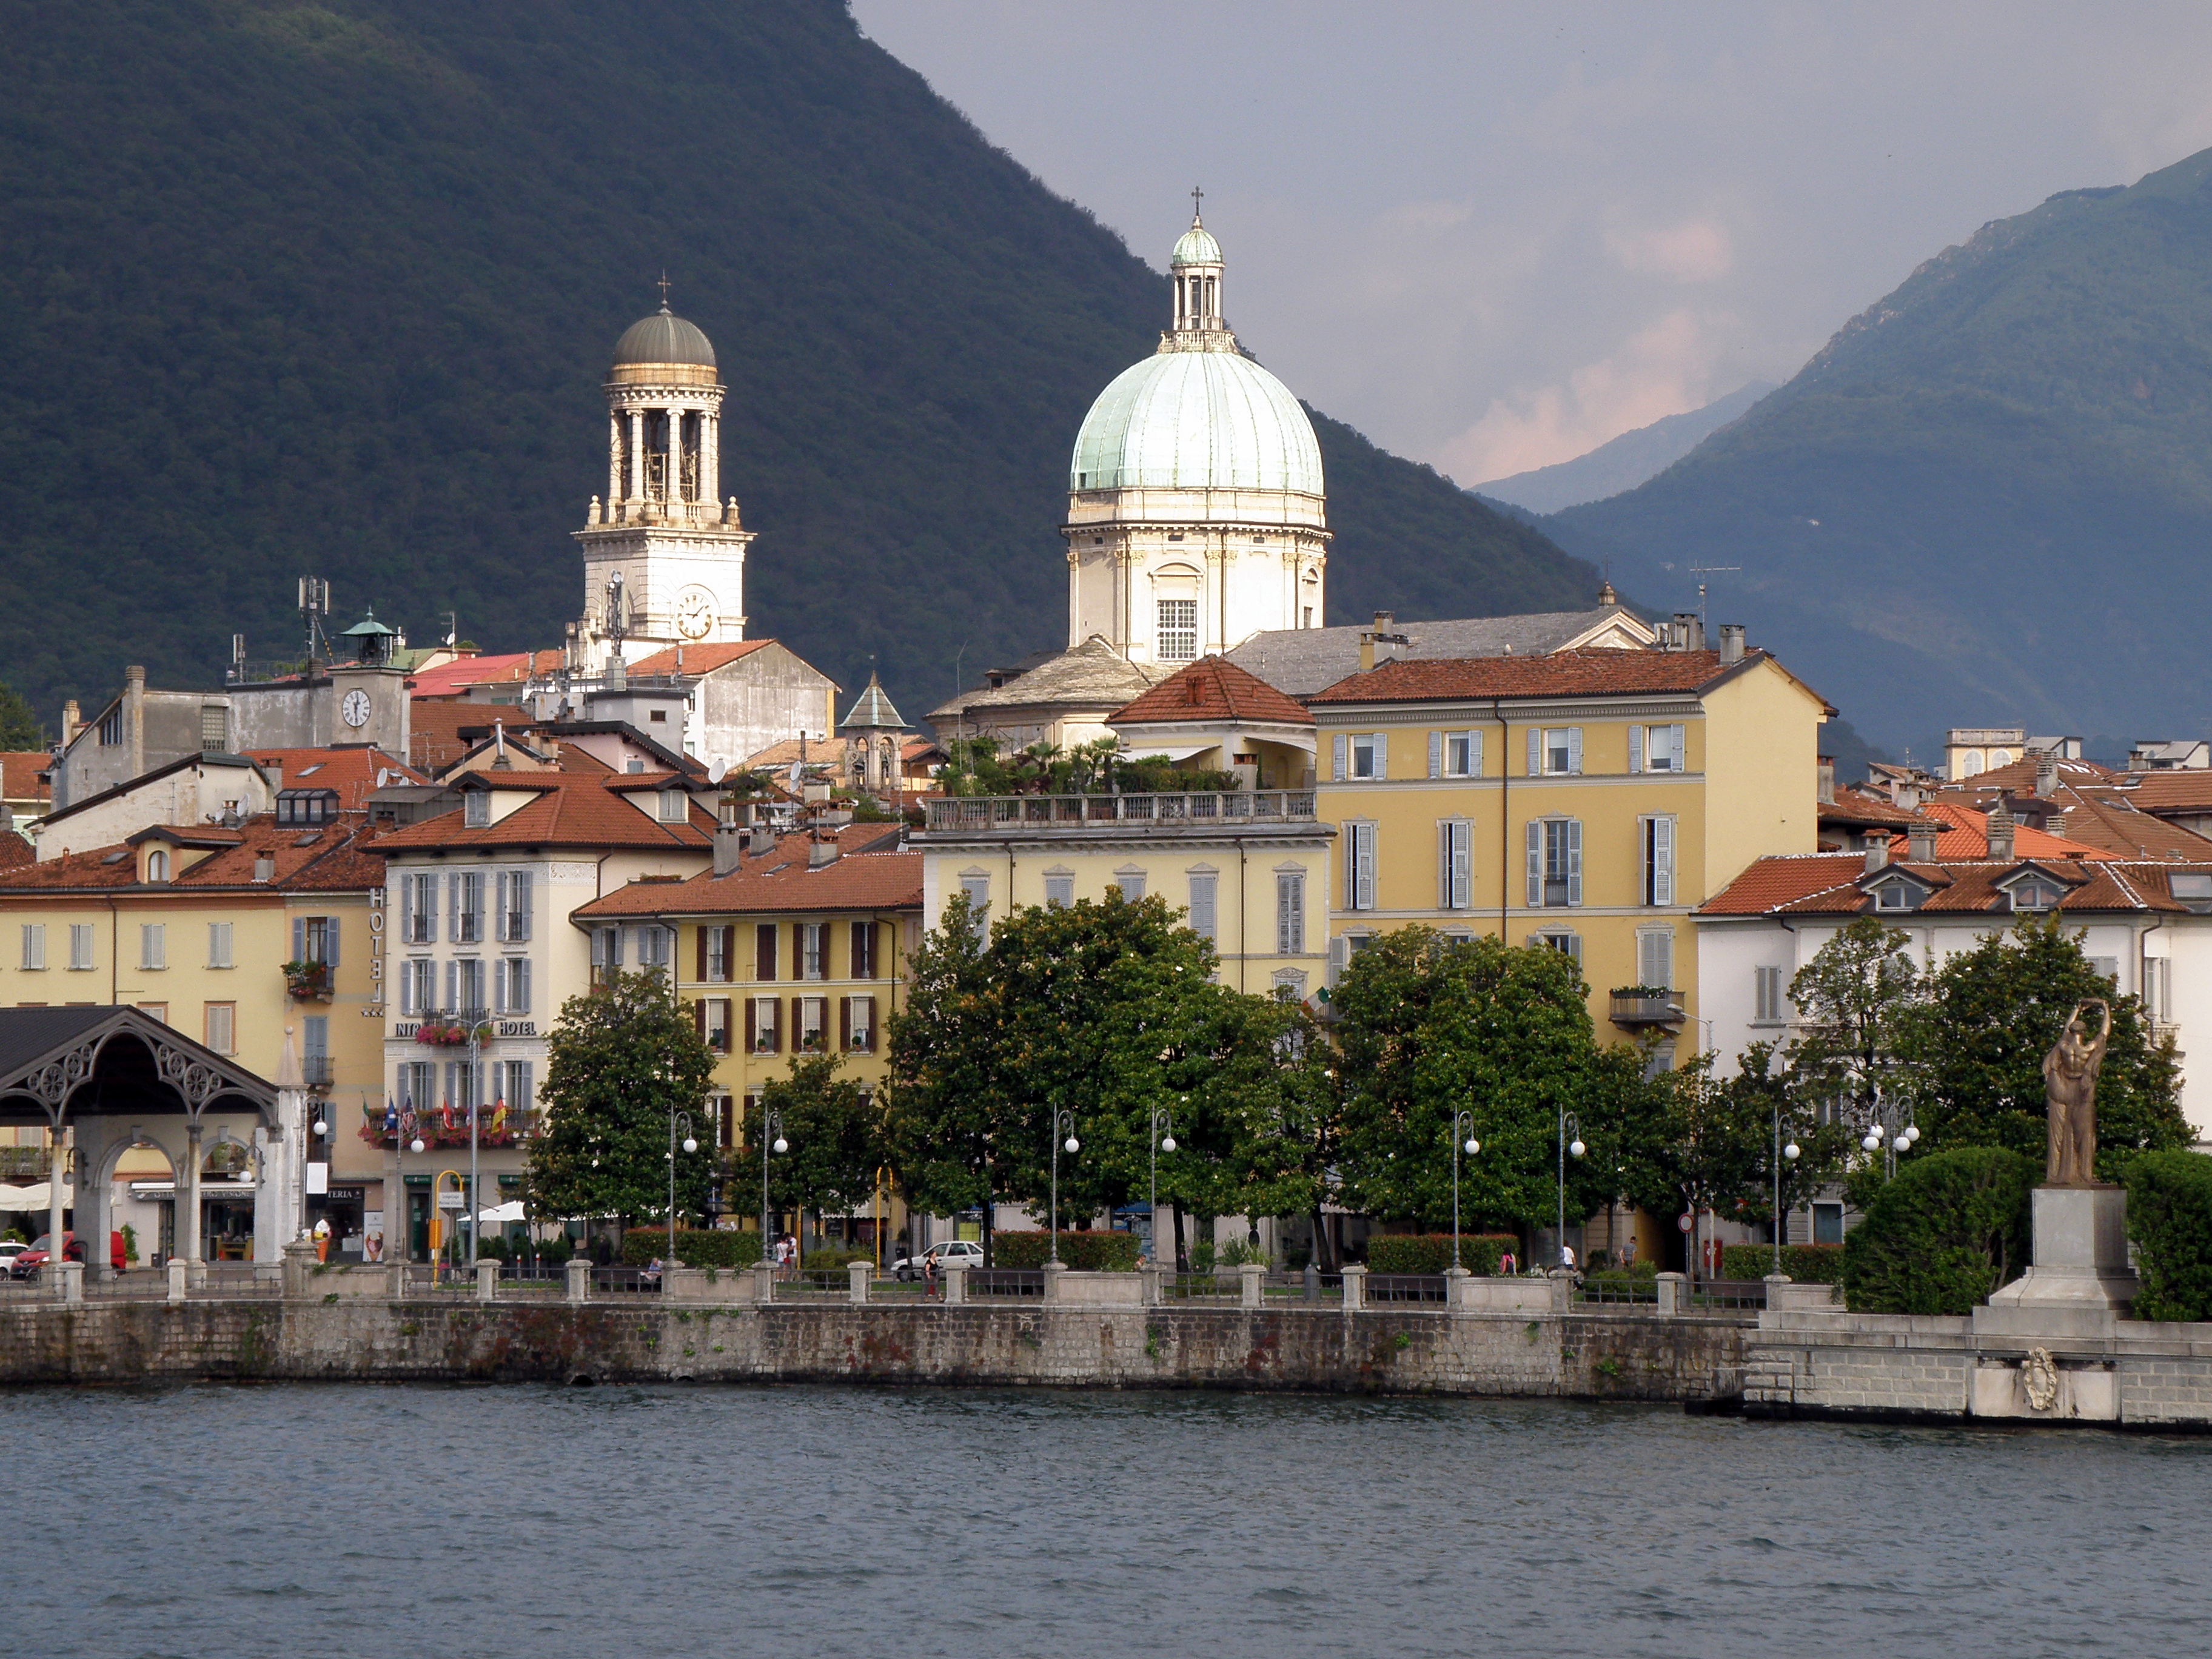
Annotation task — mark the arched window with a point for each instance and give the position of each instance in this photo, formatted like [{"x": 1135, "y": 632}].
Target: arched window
[{"x": 157, "y": 865}]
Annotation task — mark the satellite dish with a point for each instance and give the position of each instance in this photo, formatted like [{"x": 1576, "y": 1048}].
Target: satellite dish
[
  {"x": 718, "y": 771},
  {"x": 797, "y": 775}
]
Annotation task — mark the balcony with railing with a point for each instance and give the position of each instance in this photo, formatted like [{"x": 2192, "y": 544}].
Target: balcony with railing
[
  {"x": 317, "y": 1071},
  {"x": 447, "y": 1125},
  {"x": 1027, "y": 814},
  {"x": 1635, "y": 1006}
]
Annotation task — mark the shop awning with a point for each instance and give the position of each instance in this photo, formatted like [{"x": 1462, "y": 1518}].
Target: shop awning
[
  {"x": 500, "y": 1214},
  {"x": 25, "y": 1199}
]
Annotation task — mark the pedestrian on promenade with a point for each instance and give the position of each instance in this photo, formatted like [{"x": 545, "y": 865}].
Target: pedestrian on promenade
[
  {"x": 1507, "y": 1266},
  {"x": 929, "y": 1277}
]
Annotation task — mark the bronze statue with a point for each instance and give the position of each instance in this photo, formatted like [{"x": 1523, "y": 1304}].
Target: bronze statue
[{"x": 2070, "y": 1080}]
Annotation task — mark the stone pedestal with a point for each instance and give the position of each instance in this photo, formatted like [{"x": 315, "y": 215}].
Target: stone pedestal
[
  {"x": 576, "y": 1279},
  {"x": 1251, "y": 1285},
  {"x": 2080, "y": 1281},
  {"x": 487, "y": 1278},
  {"x": 858, "y": 1274}
]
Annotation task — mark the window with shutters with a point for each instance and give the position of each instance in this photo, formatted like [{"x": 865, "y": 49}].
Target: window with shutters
[
  {"x": 810, "y": 1024},
  {"x": 763, "y": 1025},
  {"x": 2106, "y": 968},
  {"x": 1567, "y": 945},
  {"x": 218, "y": 944},
  {"x": 1204, "y": 886},
  {"x": 463, "y": 1083},
  {"x": 1766, "y": 996},
  {"x": 716, "y": 947},
  {"x": 722, "y": 1111},
  {"x": 1290, "y": 913},
  {"x": 513, "y": 919},
  {"x": 466, "y": 888},
  {"x": 1059, "y": 887},
  {"x": 476, "y": 810},
  {"x": 418, "y": 907},
  {"x": 674, "y": 806},
  {"x": 1658, "y": 834},
  {"x": 864, "y": 950},
  {"x": 1454, "y": 864},
  {"x": 465, "y": 986},
  {"x": 1369, "y": 754},
  {"x": 606, "y": 954},
  {"x": 315, "y": 939},
  {"x": 713, "y": 1017},
  {"x": 516, "y": 1087},
  {"x": 1359, "y": 867},
  {"x": 811, "y": 942},
  {"x": 153, "y": 946},
  {"x": 656, "y": 946},
  {"x": 513, "y": 985},
  {"x": 1555, "y": 751},
  {"x": 1657, "y": 748},
  {"x": 220, "y": 1029},
  {"x": 976, "y": 887},
  {"x": 1555, "y": 863},
  {"x": 764, "y": 952},
  {"x": 859, "y": 1023},
  {"x": 1178, "y": 630},
  {"x": 418, "y": 986},
  {"x": 80, "y": 958},
  {"x": 1131, "y": 881},
  {"x": 35, "y": 946},
  {"x": 1461, "y": 754},
  {"x": 418, "y": 1084},
  {"x": 1654, "y": 959}
]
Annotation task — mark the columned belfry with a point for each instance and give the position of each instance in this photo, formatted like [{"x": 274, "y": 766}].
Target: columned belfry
[{"x": 663, "y": 553}]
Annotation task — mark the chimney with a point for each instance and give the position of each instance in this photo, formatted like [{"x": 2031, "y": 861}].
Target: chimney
[
  {"x": 2000, "y": 833},
  {"x": 1923, "y": 835},
  {"x": 822, "y": 853},
  {"x": 729, "y": 844},
  {"x": 134, "y": 717},
  {"x": 1877, "y": 852},
  {"x": 1731, "y": 643},
  {"x": 1689, "y": 630},
  {"x": 1366, "y": 650},
  {"x": 2046, "y": 775},
  {"x": 1825, "y": 785},
  {"x": 72, "y": 721}
]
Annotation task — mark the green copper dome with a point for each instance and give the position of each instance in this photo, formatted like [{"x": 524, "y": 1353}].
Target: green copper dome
[
  {"x": 1196, "y": 420},
  {"x": 662, "y": 338},
  {"x": 1197, "y": 247}
]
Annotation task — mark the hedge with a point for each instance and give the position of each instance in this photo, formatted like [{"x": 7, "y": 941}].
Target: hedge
[
  {"x": 835, "y": 1257},
  {"x": 1808, "y": 1264},
  {"x": 1096, "y": 1252},
  {"x": 1431, "y": 1253},
  {"x": 1951, "y": 1228},
  {"x": 696, "y": 1247},
  {"x": 2169, "y": 1219}
]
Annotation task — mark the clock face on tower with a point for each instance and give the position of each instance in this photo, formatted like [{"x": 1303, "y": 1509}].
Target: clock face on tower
[
  {"x": 355, "y": 709},
  {"x": 695, "y": 613}
]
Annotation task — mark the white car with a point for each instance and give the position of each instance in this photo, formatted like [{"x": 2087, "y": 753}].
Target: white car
[
  {"x": 951, "y": 1253},
  {"x": 10, "y": 1249}
]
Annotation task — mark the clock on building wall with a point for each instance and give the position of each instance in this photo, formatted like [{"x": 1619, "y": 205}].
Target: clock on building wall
[
  {"x": 695, "y": 613},
  {"x": 354, "y": 710}
]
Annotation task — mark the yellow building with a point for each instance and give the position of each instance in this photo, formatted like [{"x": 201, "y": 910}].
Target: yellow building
[
  {"x": 792, "y": 946},
  {"x": 1590, "y": 801},
  {"x": 242, "y": 937}
]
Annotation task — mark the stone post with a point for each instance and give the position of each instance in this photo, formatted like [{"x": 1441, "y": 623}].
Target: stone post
[
  {"x": 196, "y": 1273},
  {"x": 1313, "y": 1281},
  {"x": 1252, "y": 1279},
  {"x": 1563, "y": 1288},
  {"x": 175, "y": 1269},
  {"x": 299, "y": 1269},
  {"x": 1671, "y": 1299},
  {"x": 1151, "y": 1274},
  {"x": 763, "y": 1282},
  {"x": 859, "y": 1273},
  {"x": 1052, "y": 1291},
  {"x": 1355, "y": 1287},
  {"x": 487, "y": 1278},
  {"x": 579, "y": 1285},
  {"x": 69, "y": 1280},
  {"x": 1455, "y": 1288},
  {"x": 956, "y": 1286},
  {"x": 1774, "y": 1283}
]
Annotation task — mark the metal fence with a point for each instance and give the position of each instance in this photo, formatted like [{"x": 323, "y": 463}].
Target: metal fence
[
  {"x": 1619, "y": 1289},
  {"x": 1008, "y": 811},
  {"x": 814, "y": 1285},
  {"x": 1302, "y": 1287},
  {"x": 1399, "y": 1288},
  {"x": 1006, "y": 1284},
  {"x": 1201, "y": 1287},
  {"x": 1719, "y": 1294}
]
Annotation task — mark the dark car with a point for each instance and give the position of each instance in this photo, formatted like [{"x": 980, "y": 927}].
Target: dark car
[{"x": 27, "y": 1262}]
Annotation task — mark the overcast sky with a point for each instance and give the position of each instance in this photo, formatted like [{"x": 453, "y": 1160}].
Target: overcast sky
[{"x": 1492, "y": 237}]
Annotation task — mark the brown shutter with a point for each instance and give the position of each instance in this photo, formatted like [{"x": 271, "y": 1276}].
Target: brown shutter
[
  {"x": 844, "y": 1024},
  {"x": 700, "y": 976},
  {"x": 775, "y": 1026},
  {"x": 764, "y": 952},
  {"x": 699, "y": 1017},
  {"x": 752, "y": 1033}
]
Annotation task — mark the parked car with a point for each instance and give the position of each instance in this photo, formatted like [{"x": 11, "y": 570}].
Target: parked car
[
  {"x": 10, "y": 1249},
  {"x": 28, "y": 1261},
  {"x": 951, "y": 1253}
]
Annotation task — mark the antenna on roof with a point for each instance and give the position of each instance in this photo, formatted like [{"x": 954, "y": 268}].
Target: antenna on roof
[
  {"x": 718, "y": 771},
  {"x": 1708, "y": 570}
]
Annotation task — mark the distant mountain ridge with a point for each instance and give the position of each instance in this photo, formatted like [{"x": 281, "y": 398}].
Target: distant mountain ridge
[
  {"x": 1620, "y": 463},
  {"x": 1987, "y": 499},
  {"x": 329, "y": 288}
]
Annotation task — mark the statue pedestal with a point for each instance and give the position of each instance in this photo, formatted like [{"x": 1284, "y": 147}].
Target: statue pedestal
[{"x": 2080, "y": 1281}]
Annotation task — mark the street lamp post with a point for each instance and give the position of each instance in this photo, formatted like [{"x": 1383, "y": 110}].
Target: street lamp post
[
  {"x": 771, "y": 1137},
  {"x": 1463, "y": 1138},
  {"x": 476, "y": 1094},
  {"x": 1164, "y": 1140},
  {"x": 1567, "y": 1121},
  {"x": 1062, "y": 1121},
  {"x": 1780, "y": 1153},
  {"x": 690, "y": 1145}
]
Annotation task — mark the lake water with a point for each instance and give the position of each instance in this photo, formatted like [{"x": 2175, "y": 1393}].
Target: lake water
[{"x": 346, "y": 1521}]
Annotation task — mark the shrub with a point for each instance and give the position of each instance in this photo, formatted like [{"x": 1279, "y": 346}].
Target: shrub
[
  {"x": 833, "y": 1256},
  {"x": 1951, "y": 1228},
  {"x": 2169, "y": 1219},
  {"x": 1200, "y": 1256},
  {"x": 492, "y": 1247},
  {"x": 1808, "y": 1264},
  {"x": 1431, "y": 1253},
  {"x": 553, "y": 1252},
  {"x": 1238, "y": 1252},
  {"x": 129, "y": 1245},
  {"x": 1100, "y": 1252},
  {"x": 696, "y": 1247}
]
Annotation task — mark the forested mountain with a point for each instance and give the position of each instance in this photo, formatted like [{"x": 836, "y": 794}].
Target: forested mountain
[
  {"x": 331, "y": 288},
  {"x": 1989, "y": 499},
  {"x": 1620, "y": 463}
]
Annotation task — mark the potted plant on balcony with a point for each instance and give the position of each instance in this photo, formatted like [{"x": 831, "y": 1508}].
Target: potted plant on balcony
[{"x": 307, "y": 981}]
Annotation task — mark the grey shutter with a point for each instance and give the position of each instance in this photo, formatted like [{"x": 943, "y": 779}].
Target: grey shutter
[
  {"x": 1381, "y": 754},
  {"x": 331, "y": 940},
  {"x": 452, "y": 985},
  {"x": 1365, "y": 898},
  {"x": 1436, "y": 754},
  {"x": 1343, "y": 753},
  {"x": 1282, "y": 916},
  {"x": 1474, "y": 754},
  {"x": 1574, "y": 861},
  {"x": 1202, "y": 906},
  {"x": 522, "y": 904},
  {"x": 518, "y": 983},
  {"x": 1679, "y": 747},
  {"x": 1574, "y": 752},
  {"x": 1636, "y": 748},
  {"x": 1535, "y": 864},
  {"x": 453, "y": 906},
  {"x": 1536, "y": 751},
  {"x": 1663, "y": 860},
  {"x": 1462, "y": 866},
  {"x": 407, "y": 909},
  {"x": 299, "y": 938},
  {"x": 1444, "y": 863},
  {"x": 499, "y": 986},
  {"x": 498, "y": 897}
]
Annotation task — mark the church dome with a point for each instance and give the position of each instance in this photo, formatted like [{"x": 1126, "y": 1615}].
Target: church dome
[
  {"x": 1197, "y": 247},
  {"x": 662, "y": 338},
  {"x": 1196, "y": 420}
]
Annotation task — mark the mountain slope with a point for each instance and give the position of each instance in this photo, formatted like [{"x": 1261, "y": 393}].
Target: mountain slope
[
  {"x": 1988, "y": 498},
  {"x": 331, "y": 288},
  {"x": 1621, "y": 463}
]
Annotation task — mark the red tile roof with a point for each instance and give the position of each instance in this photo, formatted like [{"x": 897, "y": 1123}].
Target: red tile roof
[
  {"x": 351, "y": 772},
  {"x": 14, "y": 851},
  {"x": 19, "y": 775},
  {"x": 571, "y": 810},
  {"x": 340, "y": 857},
  {"x": 452, "y": 679},
  {"x": 1562, "y": 674},
  {"x": 1827, "y": 884},
  {"x": 1968, "y": 837},
  {"x": 1209, "y": 691},
  {"x": 2177, "y": 791},
  {"x": 1853, "y": 806},
  {"x": 780, "y": 881},
  {"x": 697, "y": 659},
  {"x": 437, "y": 726}
]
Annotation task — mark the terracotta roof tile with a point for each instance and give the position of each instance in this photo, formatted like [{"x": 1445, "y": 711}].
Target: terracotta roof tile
[
  {"x": 450, "y": 679},
  {"x": 14, "y": 851},
  {"x": 1210, "y": 690},
  {"x": 1853, "y": 806},
  {"x": 570, "y": 811},
  {"x": 1968, "y": 837},
  {"x": 351, "y": 772},
  {"x": 1564, "y": 673},
  {"x": 341, "y": 856},
  {"x": 2179, "y": 790},
  {"x": 1828, "y": 884},
  {"x": 777, "y": 881},
  {"x": 19, "y": 773},
  {"x": 698, "y": 659}
]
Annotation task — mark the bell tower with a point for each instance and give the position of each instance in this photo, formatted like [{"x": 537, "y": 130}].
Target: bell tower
[{"x": 662, "y": 538}]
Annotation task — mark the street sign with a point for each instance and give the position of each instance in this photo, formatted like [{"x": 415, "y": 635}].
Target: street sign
[
  {"x": 450, "y": 1199},
  {"x": 1685, "y": 1221}
]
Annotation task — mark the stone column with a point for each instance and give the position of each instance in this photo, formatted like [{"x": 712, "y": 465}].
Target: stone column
[
  {"x": 1151, "y": 1274},
  {"x": 578, "y": 1279},
  {"x": 859, "y": 1272},
  {"x": 175, "y": 1268},
  {"x": 1355, "y": 1287},
  {"x": 710, "y": 456},
  {"x": 188, "y": 1196},
  {"x": 675, "y": 453},
  {"x": 1054, "y": 1289},
  {"x": 1252, "y": 1280},
  {"x": 956, "y": 1286},
  {"x": 55, "y": 1164},
  {"x": 299, "y": 1269},
  {"x": 1670, "y": 1294},
  {"x": 68, "y": 1279},
  {"x": 1457, "y": 1281},
  {"x": 636, "y": 455},
  {"x": 613, "y": 457},
  {"x": 763, "y": 1282},
  {"x": 487, "y": 1278},
  {"x": 94, "y": 1213}
]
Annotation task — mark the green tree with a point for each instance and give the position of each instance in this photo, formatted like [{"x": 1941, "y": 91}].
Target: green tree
[
  {"x": 19, "y": 723},
  {"x": 1854, "y": 1001},
  {"x": 1430, "y": 1027},
  {"x": 1978, "y": 1044},
  {"x": 834, "y": 1133},
  {"x": 1952, "y": 1227},
  {"x": 621, "y": 1058}
]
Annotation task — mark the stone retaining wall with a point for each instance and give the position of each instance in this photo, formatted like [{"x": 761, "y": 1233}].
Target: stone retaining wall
[{"x": 1607, "y": 1356}]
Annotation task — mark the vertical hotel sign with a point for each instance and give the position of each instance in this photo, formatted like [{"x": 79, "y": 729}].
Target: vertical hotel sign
[{"x": 376, "y": 914}]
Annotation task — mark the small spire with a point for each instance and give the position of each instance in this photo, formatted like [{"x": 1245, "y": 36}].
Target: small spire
[
  {"x": 1196, "y": 195},
  {"x": 1607, "y": 596},
  {"x": 664, "y": 291}
]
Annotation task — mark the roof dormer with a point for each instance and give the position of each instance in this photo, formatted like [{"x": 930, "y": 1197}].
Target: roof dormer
[
  {"x": 1893, "y": 889},
  {"x": 2035, "y": 889}
]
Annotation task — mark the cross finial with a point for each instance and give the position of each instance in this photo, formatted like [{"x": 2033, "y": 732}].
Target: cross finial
[
  {"x": 664, "y": 287},
  {"x": 1195, "y": 194}
]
